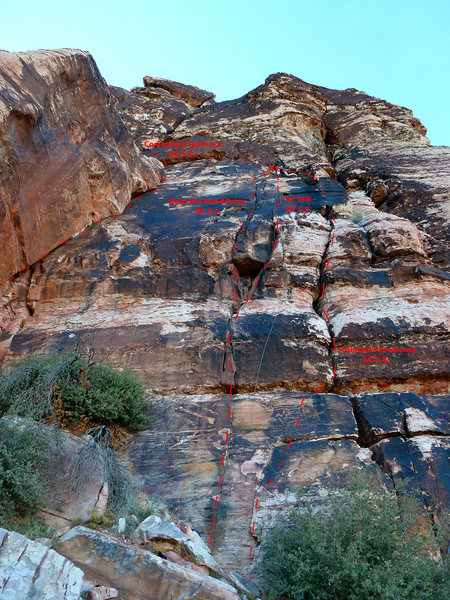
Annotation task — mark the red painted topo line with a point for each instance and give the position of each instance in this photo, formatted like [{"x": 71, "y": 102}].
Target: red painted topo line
[
  {"x": 235, "y": 293},
  {"x": 217, "y": 497},
  {"x": 220, "y": 479},
  {"x": 253, "y": 528},
  {"x": 326, "y": 268},
  {"x": 229, "y": 412},
  {"x": 234, "y": 248},
  {"x": 269, "y": 483},
  {"x": 250, "y": 211},
  {"x": 79, "y": 233},
  {"x": 267, "y": 263},
  {"x": 237, "y": 314},
  {"x": 279, "y": 466},
  {"x": 323, "y": 192},
  {"x": 332, "y": 239},
  {"x": 297, "y": 422},
  {"x": 332, "y": 216},
  {"x": 256, "y": 505},
  {"x": 318, "y": 387},
  {"x": 303, "y": 399},
  {"x": 228, "y": 340},
  {"x": 251, "y": 548},
  {"x": 334, "y": 343},
  {"x": 309, "y": 176},
  {"x": 226, "y": 438},
  {"x": 214, "y": 518},
  {"x": 223, "y": 458},
  {"x": 289, "y": 444},
  {"x": 334, "y": 372},
  {"x": 210, "y": 540},
  {"x": 323, "y": 290},
  {"x": 326, "y": 315}
]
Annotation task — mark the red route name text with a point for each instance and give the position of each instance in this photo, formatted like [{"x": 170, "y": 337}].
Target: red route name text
[
  {"x": 183, "y": 144},
  {"x": 376, "y": 349},
  {"x": 197, "y": 201},
  {"x": 297, "y": 199}
]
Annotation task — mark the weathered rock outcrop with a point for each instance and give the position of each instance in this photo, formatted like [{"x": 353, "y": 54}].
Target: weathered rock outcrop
[
  {"x": 31, "y": 570},
  {"x": 66, "y": 158},
  {"x": 107, "y": 560}
]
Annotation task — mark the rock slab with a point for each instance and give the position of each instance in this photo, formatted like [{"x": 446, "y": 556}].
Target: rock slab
[
  {"x": 107, "y": 561},
  {"x": 33, "y": 571}
]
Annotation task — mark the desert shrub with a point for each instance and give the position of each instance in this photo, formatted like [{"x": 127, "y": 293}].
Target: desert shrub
[
  {"x": 142, "y": 506},
  {"x": 97, "y": 521},
  {"x": 73, "y": 387},
  {"x": 358, "y": 546},
  {"x": 24, "y": 458}
]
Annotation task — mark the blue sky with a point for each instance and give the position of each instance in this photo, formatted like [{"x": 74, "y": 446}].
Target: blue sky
[{"x": 395, "y": 49}]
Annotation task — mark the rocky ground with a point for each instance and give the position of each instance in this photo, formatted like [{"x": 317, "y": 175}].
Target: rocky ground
[{"x": 281, "y": 285}]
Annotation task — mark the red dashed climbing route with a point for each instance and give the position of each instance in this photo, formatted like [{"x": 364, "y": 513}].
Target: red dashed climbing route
[{"x": 220, "y": 484}]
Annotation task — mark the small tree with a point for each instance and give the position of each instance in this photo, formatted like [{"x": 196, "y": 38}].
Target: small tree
[{"x": 357, "y": 546}]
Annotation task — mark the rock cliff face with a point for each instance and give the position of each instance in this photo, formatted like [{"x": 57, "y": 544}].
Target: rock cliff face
[
  {"x": 283, "y": 293},
  {"x": 66, "y": 158}
]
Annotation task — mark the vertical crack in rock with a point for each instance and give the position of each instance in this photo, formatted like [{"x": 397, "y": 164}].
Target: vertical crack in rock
[{"x": 318, "y": 302}]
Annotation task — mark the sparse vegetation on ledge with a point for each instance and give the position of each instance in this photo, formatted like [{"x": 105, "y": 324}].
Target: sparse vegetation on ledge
[{"x": 75, "y": 389}]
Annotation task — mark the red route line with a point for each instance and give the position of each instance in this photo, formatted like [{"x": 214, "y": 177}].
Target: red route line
[
  {"x": 80, "y": 232},
  {"x": 228, "y": 341},
  {"x": 229, "y": 360}
]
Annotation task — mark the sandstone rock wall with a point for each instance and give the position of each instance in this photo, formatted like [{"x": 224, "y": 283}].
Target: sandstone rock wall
[
  {"x": 66, "y": 158},
  {"x": 247, "y": 320}
]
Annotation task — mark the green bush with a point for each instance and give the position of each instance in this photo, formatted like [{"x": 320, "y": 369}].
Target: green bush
[
  {"x": 24, "y": 458},
  {"x": 356, "y": 547},
  {"x": 73, "y": 387}
]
